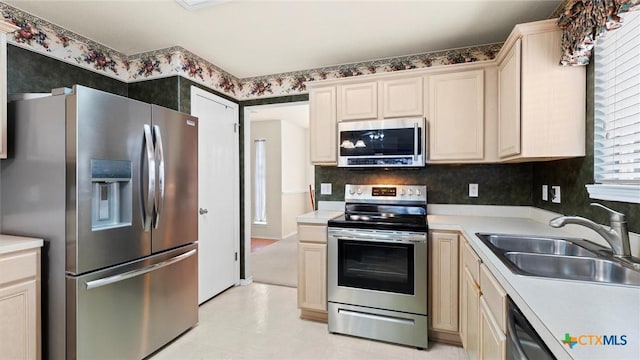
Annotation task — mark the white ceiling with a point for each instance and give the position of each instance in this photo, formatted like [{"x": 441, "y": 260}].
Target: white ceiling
[{"x": 250, "y": 38}]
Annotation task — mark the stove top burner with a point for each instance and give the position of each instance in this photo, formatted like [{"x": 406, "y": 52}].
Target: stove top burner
[{"x": 384, "y": 207}]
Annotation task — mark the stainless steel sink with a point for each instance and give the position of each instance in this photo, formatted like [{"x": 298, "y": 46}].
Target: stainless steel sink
[
  {"x": 561, "y": 258},
  {"x": 538, "y": 245},
  {"x": 574, "y": 268}
]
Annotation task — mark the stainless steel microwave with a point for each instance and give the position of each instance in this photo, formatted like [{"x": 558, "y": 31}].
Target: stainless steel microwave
[{"x": 382, "y": 143}]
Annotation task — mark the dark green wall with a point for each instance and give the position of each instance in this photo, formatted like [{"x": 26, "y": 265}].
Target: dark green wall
[
  {"x": 573, "y": 174},
  {"x": 29, "y": 72},
  {"x": 164, "y": 92},
  {"x": 508, "y": 184}
]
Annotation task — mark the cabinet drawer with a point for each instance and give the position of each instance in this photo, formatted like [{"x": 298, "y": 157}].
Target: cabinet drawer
[
  {"x": 312, "y": 233},
  {"x": 19, "y": 265},
  {"x": 471, "y": 261},
  {"x": 495, "y": 295}
]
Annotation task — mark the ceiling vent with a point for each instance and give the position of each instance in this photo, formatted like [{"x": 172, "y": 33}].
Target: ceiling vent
[{"x": 192, "y": 5}]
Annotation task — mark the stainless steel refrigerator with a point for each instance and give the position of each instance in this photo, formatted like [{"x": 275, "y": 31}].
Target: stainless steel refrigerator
[{"x": 111, "y": 185}]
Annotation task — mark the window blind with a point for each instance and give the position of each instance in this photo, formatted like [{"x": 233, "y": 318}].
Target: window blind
[
  {"x": 260, "y": 182},
  {"x": 617, "y": 104}
]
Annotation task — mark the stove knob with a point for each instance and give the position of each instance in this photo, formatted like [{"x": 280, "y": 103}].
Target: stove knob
[
  {"x": 359, "y": 191},
  {"x": 351, "y": 192},
  {"x": 410, "y": 192},
  {"x": 402, "y": 192},
  {"x": 418, "y": 192}
]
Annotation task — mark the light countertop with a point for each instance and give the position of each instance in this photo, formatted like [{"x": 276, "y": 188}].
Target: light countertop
[
  {"x": 556, "y": 307},
  {"x": 318, "y": 217},
  {"x": 10, "y": 243}
]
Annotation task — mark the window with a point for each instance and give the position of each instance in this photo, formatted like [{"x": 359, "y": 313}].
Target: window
[
  {"x": 260, "y": 182},
  {"x": 617, "y": 113}
]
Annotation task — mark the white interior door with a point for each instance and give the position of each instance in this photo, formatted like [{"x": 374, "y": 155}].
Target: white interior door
[{"x": 218, "y": 193}]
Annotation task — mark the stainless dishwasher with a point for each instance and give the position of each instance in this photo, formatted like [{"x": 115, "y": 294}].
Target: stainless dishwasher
[{"x": 523, "y": 343}]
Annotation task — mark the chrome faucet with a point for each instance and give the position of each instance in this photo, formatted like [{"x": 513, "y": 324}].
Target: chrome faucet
[{"x": 616, "y": 235}]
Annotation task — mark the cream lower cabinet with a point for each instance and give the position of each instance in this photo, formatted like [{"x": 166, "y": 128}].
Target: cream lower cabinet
[
  {"x": 483, "y": 312},
  {"x": 470, "y": 301},
  {"x": 20, "y": 305},
  {"x": 443, "y": 292},
  {"x": 312, "y": 272},
  {"x": 493, "y": 339}
]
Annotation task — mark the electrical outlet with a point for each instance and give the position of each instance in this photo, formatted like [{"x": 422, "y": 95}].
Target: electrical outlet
[
  {"x": 545, "y": 192},
  {"x": 325, "y": 189},
  {"x": 555, "y": 194},
  {"x": 473, "y": 190}
]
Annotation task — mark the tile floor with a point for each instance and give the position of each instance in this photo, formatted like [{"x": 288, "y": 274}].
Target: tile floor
[{"x": 260, "y": 321}]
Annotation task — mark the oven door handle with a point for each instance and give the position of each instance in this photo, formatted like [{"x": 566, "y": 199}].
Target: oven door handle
[{"x": 373, "y": 236}]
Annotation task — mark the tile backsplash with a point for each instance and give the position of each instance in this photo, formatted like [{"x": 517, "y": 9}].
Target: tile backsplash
[{"x": 498, "y": 184}]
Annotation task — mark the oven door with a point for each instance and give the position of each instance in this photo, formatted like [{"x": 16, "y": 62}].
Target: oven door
[
  {"x": 381, "y": 143},
  {"x": 379, "y": 269}
]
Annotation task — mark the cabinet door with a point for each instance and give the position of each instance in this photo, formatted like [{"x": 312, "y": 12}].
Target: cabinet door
[
  {"x": 312, "y": 276},
  {"x": 18, "y": 311},
  {"x": 358, "y": 101},
  {"x": 509, "y": 116},
  {"x": 456, "y": 116},
  {"x": 492, "y": 340},
  {"x": 401, "y": 97},
  {"x": 322, "y": 125},
  {"x": 470, "y": 329},
  {"x": 444, "y": 281}
]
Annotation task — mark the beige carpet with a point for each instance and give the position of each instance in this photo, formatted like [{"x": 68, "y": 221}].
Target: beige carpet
[{"x": 276, "y": 264}]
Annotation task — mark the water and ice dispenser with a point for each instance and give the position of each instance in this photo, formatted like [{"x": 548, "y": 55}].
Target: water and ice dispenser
[{"x": 111, "y": 194}]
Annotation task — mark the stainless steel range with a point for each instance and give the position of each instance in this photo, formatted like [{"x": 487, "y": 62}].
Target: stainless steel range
[{"x": 377, "y": 264}]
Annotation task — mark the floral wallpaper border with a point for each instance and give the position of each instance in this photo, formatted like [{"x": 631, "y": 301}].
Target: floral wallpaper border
[{"x": 38, "y": 35}]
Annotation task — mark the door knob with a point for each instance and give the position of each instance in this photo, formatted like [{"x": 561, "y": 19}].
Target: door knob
[{"x": 203, "y": 211}]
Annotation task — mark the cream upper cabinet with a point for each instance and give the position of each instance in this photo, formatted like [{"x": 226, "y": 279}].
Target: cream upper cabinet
[
  {"x": 456, "y": 115},
  {"x": 541, "y": 103},
  {"x": 4, "y": 29},
  {"x": 358, "y": 101},
  {"x": 444, "y": 280},
  {"x": 509, "y": 103},
  {"x": 400, "y": 97},
  {"x": 323, "y": 125}
]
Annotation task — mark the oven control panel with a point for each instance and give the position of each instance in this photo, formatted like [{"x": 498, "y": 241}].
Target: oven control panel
[{"x": 385, "y": 192}]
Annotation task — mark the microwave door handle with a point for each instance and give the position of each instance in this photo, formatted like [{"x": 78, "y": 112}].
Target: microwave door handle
[{"x": 415, "y": 141}]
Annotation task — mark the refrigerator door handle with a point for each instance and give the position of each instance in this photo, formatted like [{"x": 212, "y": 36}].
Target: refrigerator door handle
[
  {"x": 151, "y": 189},
  {"x": 133, "y": 273},
  {"x": 159, "y": 152}
]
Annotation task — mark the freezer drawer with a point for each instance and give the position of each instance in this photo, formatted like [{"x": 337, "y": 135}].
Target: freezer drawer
[{"x": 129, "y": 311}]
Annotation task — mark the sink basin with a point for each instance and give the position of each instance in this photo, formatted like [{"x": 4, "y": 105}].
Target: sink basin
[
  {"x": 538, "y": 245},
  {"x": 561, "y": 258},
  {"x": 574, "y": 268}
]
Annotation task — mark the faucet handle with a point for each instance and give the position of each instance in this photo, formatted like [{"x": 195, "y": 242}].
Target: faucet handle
[{"x": 614, "y": 215}]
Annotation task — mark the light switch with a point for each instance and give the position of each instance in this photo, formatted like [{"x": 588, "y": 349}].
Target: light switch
[
  {"x": 555, "y": 194},
  {"x": 473, "y": 190},
  {"x": 325, "y": 189}
]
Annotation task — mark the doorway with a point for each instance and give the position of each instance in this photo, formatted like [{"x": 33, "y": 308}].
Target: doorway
[
  {"x": 278, "y": 175},
  {"x": 218, "y": 193}
]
